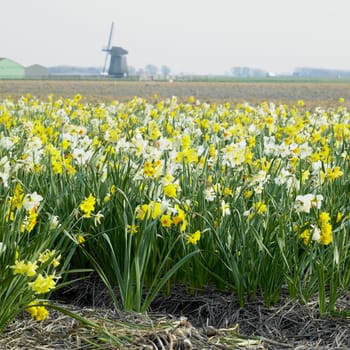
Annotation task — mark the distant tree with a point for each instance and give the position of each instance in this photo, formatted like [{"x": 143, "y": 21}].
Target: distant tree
[
  {"x": 131, "y": 70},
  {"x": 73, "y": 70},
  {"x": 140, "y": 72},
  {"x": 320, "y": 73},
  {"x": 241, "y": 72},
  {"x": 165, "y": 70},
  {"x": 246, "y": 72},
  {"x": 151, "y": 69}
]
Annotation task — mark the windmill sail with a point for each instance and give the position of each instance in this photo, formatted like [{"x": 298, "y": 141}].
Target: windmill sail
[{"x": 108, "y": 48}]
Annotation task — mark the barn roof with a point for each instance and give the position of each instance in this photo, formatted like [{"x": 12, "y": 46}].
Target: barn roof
[
  {"x": 8, "y": 59},
  {"x": 36, "y": 66}
]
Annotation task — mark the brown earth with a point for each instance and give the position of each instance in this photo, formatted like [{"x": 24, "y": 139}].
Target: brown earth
[
  {"x": 203, "y": 320},
  {"x": 313, "y": 93}
]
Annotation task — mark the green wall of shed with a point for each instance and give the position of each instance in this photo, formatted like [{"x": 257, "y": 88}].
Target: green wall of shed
[{"x": 11, "y": 70}]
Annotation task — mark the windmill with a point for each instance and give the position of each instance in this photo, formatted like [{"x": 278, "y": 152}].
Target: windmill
[{"x": 117, "y": 64}]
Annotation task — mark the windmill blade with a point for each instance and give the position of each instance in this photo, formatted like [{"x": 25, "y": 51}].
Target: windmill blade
[
  {"x": 110, "y": 37},
  {"x": 105, "y": 65},
  {"x": 108, "y": 48}
]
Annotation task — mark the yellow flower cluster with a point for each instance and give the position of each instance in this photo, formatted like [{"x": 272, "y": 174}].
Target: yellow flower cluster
[
  {"x": 334, "y": 173},
  {"x": 322, "y": 233},
  {"x": 37, "y": 311},
  {"x": 194, "y": 238},
  {"x": 326, "y": 228},
  {"x": 167, "y": 216},
  {"x": 15, "y": 202},
  {"x": 305, "y": 236},
  {"x": 24, "y": 268},
  {"x": 87, "y": 206},
  {"x": 30, "y": 202},
  {"x": 42, "y": 285}
]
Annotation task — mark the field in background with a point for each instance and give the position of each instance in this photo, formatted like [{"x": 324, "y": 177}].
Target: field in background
[{"x": 313, "y": 93}]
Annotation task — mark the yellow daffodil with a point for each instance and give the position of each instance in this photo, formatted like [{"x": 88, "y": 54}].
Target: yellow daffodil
[
  {"x": 24, "y": 268},
  {"x": 194, "y": 238},
  {"x": 42, "y": 285},
  {"x": 87, "y": 206}
]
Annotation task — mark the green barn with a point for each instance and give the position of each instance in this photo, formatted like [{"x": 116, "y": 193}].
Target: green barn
[{"x": 10, "y": 69}]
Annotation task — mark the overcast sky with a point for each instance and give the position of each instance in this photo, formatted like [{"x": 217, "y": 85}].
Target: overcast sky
[{"x": 191, "y": 36}]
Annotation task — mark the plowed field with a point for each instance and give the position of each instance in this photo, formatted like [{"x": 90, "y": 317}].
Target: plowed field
[{"x": 313, "y": 93}]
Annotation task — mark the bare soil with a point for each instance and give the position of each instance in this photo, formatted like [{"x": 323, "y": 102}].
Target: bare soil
[
  {"x": 313, "y": 93},
  {"x": 208, "y": 319}
]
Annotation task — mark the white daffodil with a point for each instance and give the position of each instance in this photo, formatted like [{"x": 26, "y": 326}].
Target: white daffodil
[
  {"x": 306, "y": 202},
  {"x": 32, "y": 201}
]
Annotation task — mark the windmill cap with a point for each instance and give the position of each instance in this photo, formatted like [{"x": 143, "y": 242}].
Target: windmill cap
[{"x": 116, "y": 50}]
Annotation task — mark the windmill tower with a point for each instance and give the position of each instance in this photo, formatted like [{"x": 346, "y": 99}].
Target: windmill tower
[{"x": 117, "y": 59}]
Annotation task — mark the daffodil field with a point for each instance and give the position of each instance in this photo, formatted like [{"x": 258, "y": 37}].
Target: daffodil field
[{"x": 152, "y": 194}]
